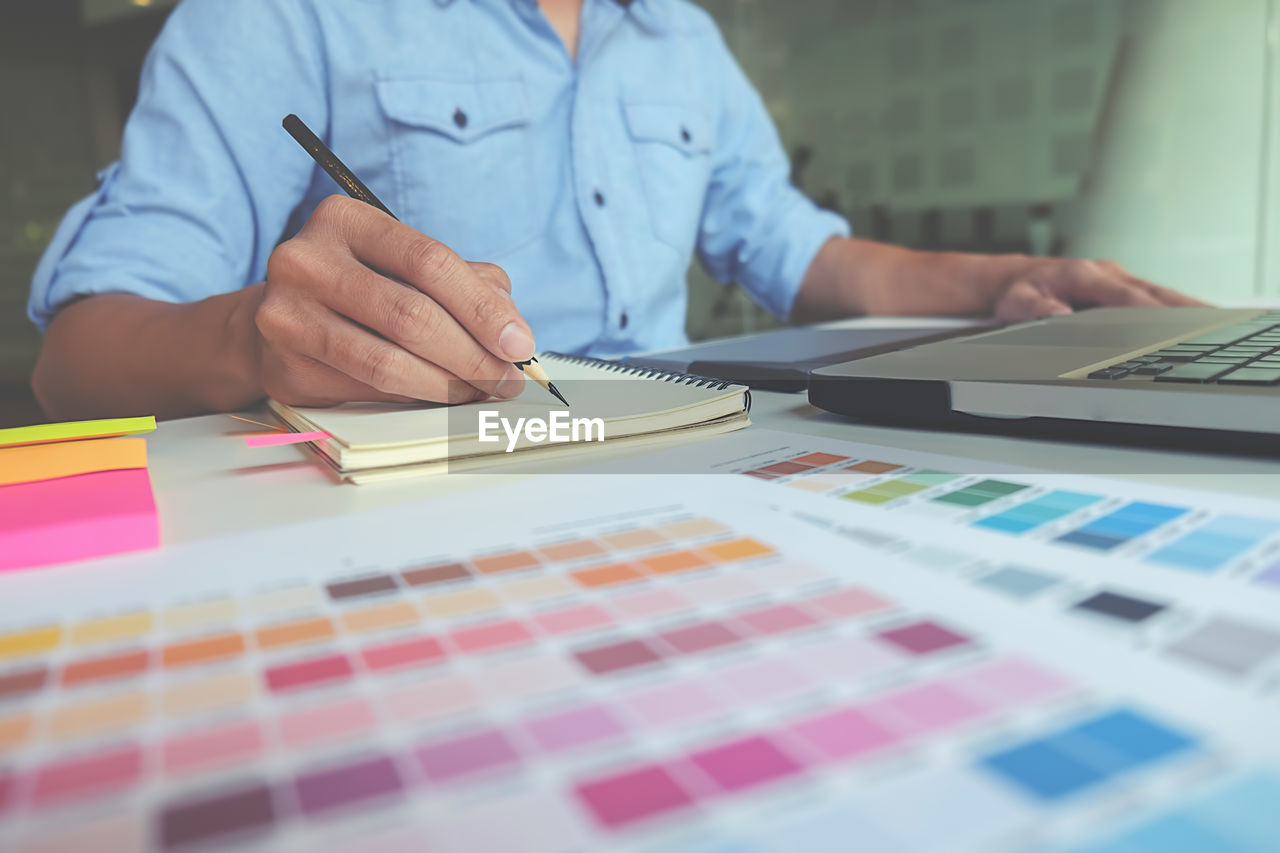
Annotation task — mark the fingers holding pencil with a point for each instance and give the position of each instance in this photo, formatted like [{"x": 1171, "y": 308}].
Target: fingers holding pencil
[{"x": 460, "y": 316}]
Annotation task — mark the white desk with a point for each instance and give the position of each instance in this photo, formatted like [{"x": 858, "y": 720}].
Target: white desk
[{"x": 207, "y": 483}]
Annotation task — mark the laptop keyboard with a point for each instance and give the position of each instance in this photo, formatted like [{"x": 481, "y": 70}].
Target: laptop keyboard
[{"x": 1243, "y": 354}]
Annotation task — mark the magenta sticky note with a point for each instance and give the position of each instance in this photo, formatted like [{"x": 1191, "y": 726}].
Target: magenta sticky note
[
  {"x": 75, "y": 518},
  {"x": 273, "y": 439}
]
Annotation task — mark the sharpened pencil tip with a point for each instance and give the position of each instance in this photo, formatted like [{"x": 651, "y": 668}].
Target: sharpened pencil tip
[{"x": 559, "y": 396}]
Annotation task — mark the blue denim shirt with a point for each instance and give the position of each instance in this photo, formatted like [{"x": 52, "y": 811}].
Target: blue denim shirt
[{"x": 591, "y": 182}]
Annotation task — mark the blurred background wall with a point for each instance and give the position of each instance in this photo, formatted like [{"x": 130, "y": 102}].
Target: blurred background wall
[
  {"x": 68, "y": 77},
  {"x": 1139, "y": 130}
]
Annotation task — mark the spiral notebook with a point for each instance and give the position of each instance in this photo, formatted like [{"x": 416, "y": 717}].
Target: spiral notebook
[{"x": 637, "y": 406}]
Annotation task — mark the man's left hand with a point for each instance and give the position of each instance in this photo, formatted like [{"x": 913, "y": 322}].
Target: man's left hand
[{"x": 1042, "y": 287}]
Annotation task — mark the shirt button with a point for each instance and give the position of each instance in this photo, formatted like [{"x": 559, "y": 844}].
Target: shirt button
[
  {"x": 599, "y": 197},
  {"x": 460, "y": 118},
  {"x": 685, "y": 135},
  {"x": 622, "y": 321}
]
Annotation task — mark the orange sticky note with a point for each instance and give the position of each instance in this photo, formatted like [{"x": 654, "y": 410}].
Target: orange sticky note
[{"x": 33, "y": 462}]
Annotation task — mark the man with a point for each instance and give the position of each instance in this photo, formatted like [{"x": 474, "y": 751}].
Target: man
[{"x": 556, "y": 163}]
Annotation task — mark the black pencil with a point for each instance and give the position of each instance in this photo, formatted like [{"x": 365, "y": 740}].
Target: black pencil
[{"x": 355, "y": 188}]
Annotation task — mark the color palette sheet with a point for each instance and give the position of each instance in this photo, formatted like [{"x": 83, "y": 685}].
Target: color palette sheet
[
  {"x": 1101, "y": 561},
  {"x": 671, "y": 665},
  {"x": 1177, "y": 530}
]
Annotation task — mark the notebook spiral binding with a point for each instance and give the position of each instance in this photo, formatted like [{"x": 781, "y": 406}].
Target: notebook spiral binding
[{"x": 621, "y": 368}]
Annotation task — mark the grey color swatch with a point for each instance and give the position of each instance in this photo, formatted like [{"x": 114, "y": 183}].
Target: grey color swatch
[
  {"x": 1018, "y": 582},
  {"x": 1229, "y": 646}
]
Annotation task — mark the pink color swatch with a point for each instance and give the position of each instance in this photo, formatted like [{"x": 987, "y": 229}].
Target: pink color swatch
[
  {"x": 78, "y": 777},
  {"x": 925, "y": 708},
  {"x": 275, "y": 439},
  {"x": 923, "y": 638},
  {"x": 445, "y": 761},
  {"x": 616, "y": 801},
  {"x": 711, "y": 589},
  {"x": 650, "y": 602},
  {"x": 672, "y": 704},
  {"x": 847, "y": 602},
  {"x": 490, "y": 636},
  {"x": 578, "y": 727},
  {"x": 702, "y": 637},
  {"x": 402, "y": 653},
  {"x": 848, "y": 657},
  {"x": 572, "y": 619},
  {"x": 1011, "y": 682},
  {"x": 309, "y": 673},
  {"x": 618, "y": 657},
  {"x": 429, "y": 699},
  {"x": 746, "y": 763},
  {"x": 217, "y": 747},
  {"x": 777, "y": 619},
  {"x": 326, "y": 722},
  {"x": 764, "y": 680},
  {"x": 843, "y": 734},
  {"x": 75, "y": 518},
  {"x": 519, "y": 678}
]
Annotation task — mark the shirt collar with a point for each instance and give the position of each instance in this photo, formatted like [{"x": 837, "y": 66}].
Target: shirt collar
[{"x": 642, "y": 9}]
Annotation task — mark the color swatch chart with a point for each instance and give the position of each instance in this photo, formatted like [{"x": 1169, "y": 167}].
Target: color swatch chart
[
  {"x": 1179, "y": 530},
  {"x": 1096, "y": 554},
  {"x": 627, "y": 669}
]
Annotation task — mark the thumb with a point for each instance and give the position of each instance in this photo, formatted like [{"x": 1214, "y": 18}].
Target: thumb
[{"x": 1024, "y": 301}]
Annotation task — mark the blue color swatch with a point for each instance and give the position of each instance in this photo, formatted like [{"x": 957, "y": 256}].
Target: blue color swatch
[
  {"x": 1239, "y": 817},
  {"x": 1087, "y": 754},
  {"x": 1042, "y": 510},
  {"x": 1114, "y": 529},
  {"x": 1210, "y": 547}
]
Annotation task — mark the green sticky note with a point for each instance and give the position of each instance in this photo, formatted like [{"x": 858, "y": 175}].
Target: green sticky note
[{"x": 76, "y": 430}]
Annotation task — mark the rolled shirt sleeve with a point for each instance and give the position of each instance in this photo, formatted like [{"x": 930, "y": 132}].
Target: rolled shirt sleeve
[
  {"x": 207, "y": 179},
  {"x": 756, "y": 228}
]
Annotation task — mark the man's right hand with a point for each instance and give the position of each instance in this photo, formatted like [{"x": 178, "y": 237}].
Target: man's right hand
[{"x": 336, "y": 324}]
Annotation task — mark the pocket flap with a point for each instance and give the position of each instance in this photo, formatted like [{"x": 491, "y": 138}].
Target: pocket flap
[
  {"x": 461, "y": 110},
  {"x": 681, "y": 126}
]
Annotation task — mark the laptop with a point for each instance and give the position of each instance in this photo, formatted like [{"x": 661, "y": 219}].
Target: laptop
[
  {"x": 781, "y": 359},
  {"x": 1183, "y": 373}
]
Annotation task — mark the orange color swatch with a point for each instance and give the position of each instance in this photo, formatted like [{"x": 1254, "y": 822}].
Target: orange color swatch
[
  {"x": 614, "y": 573},
  {"x": 633, "y": 539},
  {"x": 674, "y": 561},
  {"x": 295, "y": 633},
  {"x": 508, "y": 562},
  {"x": 203, "y": 650},
  {"x": 737, "y": 549},
  {"x": 105, "y": 668},
  {"x": 571, "y": 550}
]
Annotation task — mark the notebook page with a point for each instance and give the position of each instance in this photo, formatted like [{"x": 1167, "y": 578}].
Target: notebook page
[{"x": 628, "y": 402}]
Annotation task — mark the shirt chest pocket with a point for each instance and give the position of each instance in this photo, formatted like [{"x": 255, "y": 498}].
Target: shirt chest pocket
[
  {"x": 462, "y": 160},
  {"x": 673, "y": 145}
]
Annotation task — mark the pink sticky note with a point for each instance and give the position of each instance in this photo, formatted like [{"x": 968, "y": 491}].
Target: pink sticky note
[
  {"x": 74, "y": 518},
  {"x": 273, "y": 439}
]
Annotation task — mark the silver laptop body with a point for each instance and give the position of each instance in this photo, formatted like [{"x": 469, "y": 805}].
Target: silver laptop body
[{"x": 1192, "y": 368}]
